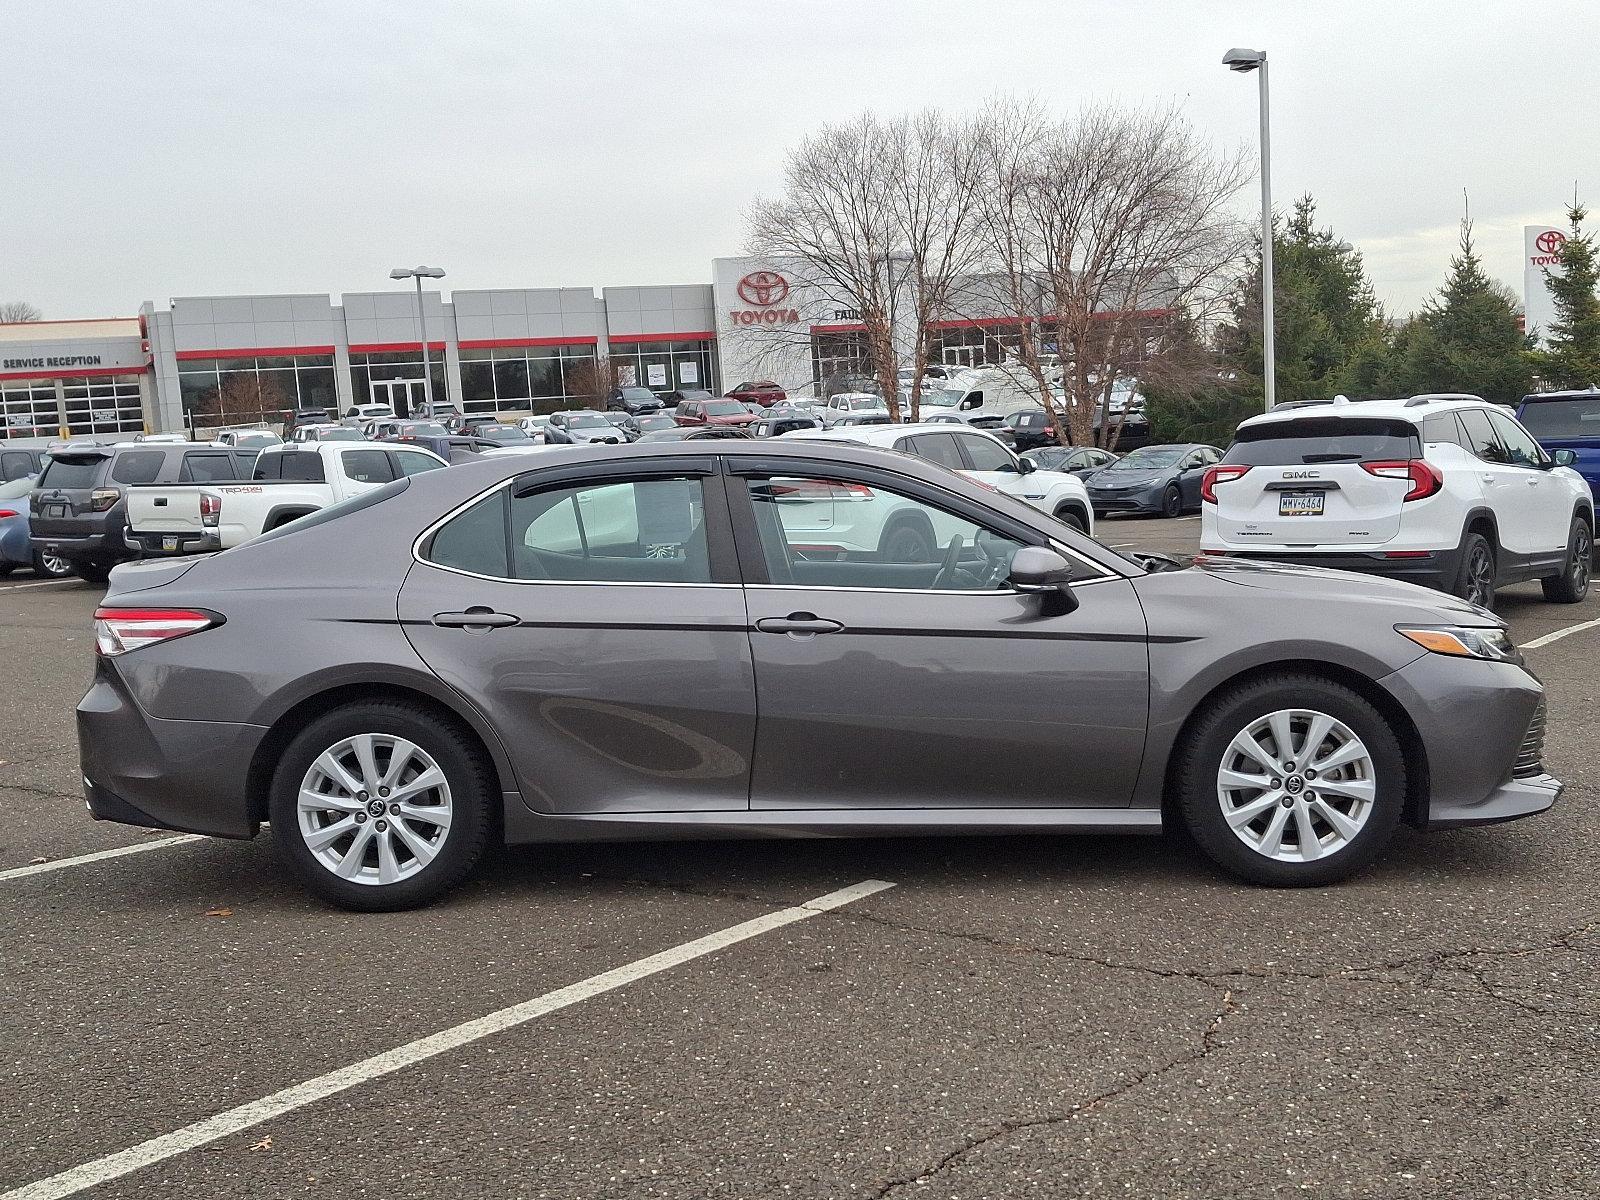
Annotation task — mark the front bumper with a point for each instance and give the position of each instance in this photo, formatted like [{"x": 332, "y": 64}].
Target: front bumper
[
  {"x": 1477, "y": 721},
  {"x": 1141, "y": 500},
  {"x": 142, "y": 770},
  {"x": 1436, "y": 569}
]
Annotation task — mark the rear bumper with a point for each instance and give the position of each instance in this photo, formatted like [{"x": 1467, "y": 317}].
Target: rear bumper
[
  {"x": 106, "y": 549},
  {"x": 152, "y": 544},
  {"x": 1437, "y": 569},
  {"x": 141, "y": 770}
]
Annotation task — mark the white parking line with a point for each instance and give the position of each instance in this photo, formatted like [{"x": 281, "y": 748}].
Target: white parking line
[
  {"x": 58, "y": 864},
  {"x": 17, "y": 587},
  {"x": 1560, "y": 633},
  {"x": 158, "y": 1149}
]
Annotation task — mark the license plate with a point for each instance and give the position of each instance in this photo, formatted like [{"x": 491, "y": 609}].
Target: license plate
[
  {"x": 55, "y": 510},
  {"x": 1300, "y": 504},
  {"x": 169, "y": 543}
]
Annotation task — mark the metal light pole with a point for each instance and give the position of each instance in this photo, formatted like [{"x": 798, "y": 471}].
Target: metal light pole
[
  {"x": 419, "y": 274},
  {"x": 1245, "y": 61}
]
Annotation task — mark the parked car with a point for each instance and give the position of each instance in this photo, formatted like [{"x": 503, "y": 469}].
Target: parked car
[
  {"x": 15, "y": 548},
  {"x": 846, "y": 404},
  {"x": 448, "y": 445},
  {"x": 1446, "y": 491},
  {"x": 1074, "y": 460},
  {"x": 981, "y": 456},
  {"x": 78, "y": 510},
  {"x": 676, "y": 397},
  {"x": 712, "y": 412},
  {"x": 360, "y": 414},
  {"x": 535, "y": 427},
  {"x": 502, "y": 435},
  {"x": 302, "y": 434},
  {"x": 258, "y": 439},
  {"x": 162, "y": 438},
  {"x": 762, "y": 391},
  {"x": 976, "y": 395},
  {"x": 582, "y": 425},
  {"x": 1154, "y": 480},
  {"x": 1567, "y": 421},
  {"x": 395, "y": 643},
  {"x": 628, "y": 425},
  {"x": 786, "y": 422},
  {"x": 1031, "y": 428},
  {"x": 654, "y": 421},
  {"x": 686, "y": 433},
  {"x": 633, "y": 400},
  {"x": 20, "y": 462},
  {"x": 289, "y": 482}
]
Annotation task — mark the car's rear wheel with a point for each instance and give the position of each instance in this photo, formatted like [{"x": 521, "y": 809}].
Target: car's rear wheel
[
  {"x": 381, "y": 806},
  {"x": 52, "y": 565},
  {"x": 1572, "y": 585},
  {"x": 1291, "y": 781},
  {"x": 1172, "y": 502},
  {"x": 90, "y": 572},
  {"x": 1071, "y": 516},
  {"x": 1475, "y": 584}
]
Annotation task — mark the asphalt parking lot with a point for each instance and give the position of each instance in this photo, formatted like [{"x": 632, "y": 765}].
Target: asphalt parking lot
[{"x": 1076, "y": 1017}]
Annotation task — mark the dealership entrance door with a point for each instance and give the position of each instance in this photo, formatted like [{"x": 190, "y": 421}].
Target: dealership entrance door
[{"x": 408, "y": 397}]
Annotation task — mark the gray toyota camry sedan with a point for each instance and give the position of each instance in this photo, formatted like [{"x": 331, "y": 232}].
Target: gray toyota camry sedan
[{"x": 726, "y": 639}]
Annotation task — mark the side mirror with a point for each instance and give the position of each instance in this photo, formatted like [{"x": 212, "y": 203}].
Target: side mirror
[
  {"x": 1026, "y": 466},
  {"x": 1041, "y": 569},
  {"x": 1563, "y": 458}
]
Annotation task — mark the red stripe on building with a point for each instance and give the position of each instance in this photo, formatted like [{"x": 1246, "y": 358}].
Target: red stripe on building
[
  {"x": 391, "y": 347},
  {"x": 509, "y": 343},
  {"x": 253, "y": 352},
  {"x": 698, "y": 335},
  {"x": 838, "y": 329},
  {"x": 75, "y": 372}
]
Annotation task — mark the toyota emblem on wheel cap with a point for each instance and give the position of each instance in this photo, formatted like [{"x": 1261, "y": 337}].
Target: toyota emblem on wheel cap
[{"x": 763, "y": 288}]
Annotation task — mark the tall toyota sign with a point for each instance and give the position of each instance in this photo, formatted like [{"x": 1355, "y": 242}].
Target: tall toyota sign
[{"x": 1541, "y": 245}]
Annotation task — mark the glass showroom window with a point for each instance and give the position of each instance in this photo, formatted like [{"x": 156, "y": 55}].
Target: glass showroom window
[
  {"x": 666, "y": 366},
  {"x": 524, "y": 378},
  {"x": 223, "y": 391},
  {"x": 28, "y": 409},
  {"x": 365, "y": 369},
  {"x": 108, "y": 405}
]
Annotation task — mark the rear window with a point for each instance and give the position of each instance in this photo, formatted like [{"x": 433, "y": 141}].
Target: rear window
[
  {"x": 71, "y": 473},
  {"x": 138, "y": 466},
  {"x": 1562, "y": 418},
  {"x": 1323, "y": 440}
]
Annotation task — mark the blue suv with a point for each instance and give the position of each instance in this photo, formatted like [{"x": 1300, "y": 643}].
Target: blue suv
[{"x": 1567, "y": 421}]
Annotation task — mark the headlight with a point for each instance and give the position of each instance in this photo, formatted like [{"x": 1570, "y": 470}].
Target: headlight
[{"x": 1463, "y": 641}]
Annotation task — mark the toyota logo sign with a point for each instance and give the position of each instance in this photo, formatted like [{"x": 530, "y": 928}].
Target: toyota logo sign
[
  {"x": 1549, "y": 242},
  {"x": 763, "y": 288}
]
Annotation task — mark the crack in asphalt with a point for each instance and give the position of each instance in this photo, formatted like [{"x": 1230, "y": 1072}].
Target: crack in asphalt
[
  {"x": 35, "y": 790},
  {"x": 1006, "y": 1129}
]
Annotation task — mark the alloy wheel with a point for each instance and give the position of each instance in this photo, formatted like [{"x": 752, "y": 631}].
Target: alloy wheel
[
  {"x": 1582, "y": 552},
  {"x": 1480, "y": 577},
  {"x": 1296, "y": 785},
  {"x": 54, "y": 564},
  {"x": 374, "y": 808}
]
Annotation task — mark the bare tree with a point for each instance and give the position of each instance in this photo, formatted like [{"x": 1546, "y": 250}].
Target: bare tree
[
  {"x": 591, "y": 381},
  {"x": 1099, "y": 228},
  {"x": 17, "y": 311}
]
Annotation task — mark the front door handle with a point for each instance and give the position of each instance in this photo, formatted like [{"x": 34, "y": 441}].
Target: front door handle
[
  {"x": 798, "y": 623},
  {"x": 474, "y": 618}
]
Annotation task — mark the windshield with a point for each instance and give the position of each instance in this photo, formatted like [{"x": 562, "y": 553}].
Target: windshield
[
  {"x": 341, "y": 435},
  {"x": 726, "y": 408},
  {"x": 1562, "y": 418},
  {"x": 1154, "y": 458},
  {"x": 587, "y": 421},
  {"x": 656, "y": 423},
  {"x": 863, "y": 403},
  {"x": 1323, "y": 440},
  {"x": 425, "y": 429},
  {"x": 943, "y": 397},
  {"x": 638, "y": 394}
]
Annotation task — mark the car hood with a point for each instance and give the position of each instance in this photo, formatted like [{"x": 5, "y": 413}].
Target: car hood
[
  {"x": 1108, "y": 478},
  {"x": 597, "y": 435},
  {"x": 1308, "y": 584}
]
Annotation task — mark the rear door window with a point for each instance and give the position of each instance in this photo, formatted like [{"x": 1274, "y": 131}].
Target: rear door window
[
  {"x": 138, "y": 466},
  {"x": 1446, "y": 430},
  {"x": 1324, "y": 440},
  {"x": 206, "y": 468},
  {"x": 939, "y": 448},
  {"x": 71, "y": 473},
  {"x": 1481, "y": 437}
]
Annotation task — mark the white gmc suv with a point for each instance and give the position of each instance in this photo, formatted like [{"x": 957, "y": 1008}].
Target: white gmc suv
[{"x": 1443, "y": 490}]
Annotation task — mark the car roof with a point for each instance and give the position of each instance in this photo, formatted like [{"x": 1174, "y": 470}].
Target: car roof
[
  {"x": 882, "y": 435},
  {"x": 1409, "y": 408},
  {"x": 1589, "y": 393}
]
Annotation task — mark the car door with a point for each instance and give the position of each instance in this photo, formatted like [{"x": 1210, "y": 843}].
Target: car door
[
  {"x": 1191, "y": 472},
  {"x": 1549, "y": 510},
  {"x": 594, "y": 615},
  {"x": 889, "y": 680},
  {"x": 1507, "y": 488}
]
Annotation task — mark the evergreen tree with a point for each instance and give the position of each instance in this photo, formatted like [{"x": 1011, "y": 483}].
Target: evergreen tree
[
  {"x": 1467, "y": 338},
  {"x": 1573, "y": 357},
  {"x": 1331, "y": 334}
]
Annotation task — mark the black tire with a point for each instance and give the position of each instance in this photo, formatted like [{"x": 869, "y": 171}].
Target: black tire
[
  {"x": 91, "y": 572},
  {"x": 1475, "y": 582},
  {"x": 51, "y": 568},
  {"x": 472, "y": 792},
  {"x": 907, "y": 543},
  {"x": 1204, "y": 748},
  {"x": 1572, "y": 585},
  {"x": 1172, "y": 502},
  {"x": 6, "y": 569},
  {"x": 1071, "y": 516}
]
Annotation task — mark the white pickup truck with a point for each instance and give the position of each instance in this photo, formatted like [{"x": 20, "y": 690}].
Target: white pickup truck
[{"x": 289, "y": 481}]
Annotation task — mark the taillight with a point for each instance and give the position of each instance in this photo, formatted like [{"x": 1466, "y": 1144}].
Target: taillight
[
  {"x": 102, "y": 499},
  {"x": 1426, "y": 479},
  {"x": 119, "y": 630},
  {"x": 1221, "y": 473},
  {"x": 8, "y": 512},
  {"x": 210, "y": 509}
]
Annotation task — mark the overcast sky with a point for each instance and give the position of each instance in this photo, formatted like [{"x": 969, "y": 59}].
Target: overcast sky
[{"x": 166, "y": 149}]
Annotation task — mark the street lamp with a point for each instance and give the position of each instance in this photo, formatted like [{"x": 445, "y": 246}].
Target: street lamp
[
  {"x": 419, "y": 274},
  {"x": 1245, "y": 61}
]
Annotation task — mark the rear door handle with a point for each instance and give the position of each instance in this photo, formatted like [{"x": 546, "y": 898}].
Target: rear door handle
[
  {"x": 474, "y": 618},
  {"x": 800, "y": 623}
]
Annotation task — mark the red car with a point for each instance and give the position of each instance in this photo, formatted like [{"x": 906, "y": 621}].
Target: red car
[
  {"x": 760, "y": 391},
  {"x": 712, "y": 412}
]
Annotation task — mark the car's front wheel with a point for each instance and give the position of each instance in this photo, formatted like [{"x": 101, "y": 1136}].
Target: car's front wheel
[
  {"x": 1291, "y": 781},
  {"x": 381, "y": 806},
  {"x": 1572, "y": 585}
]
